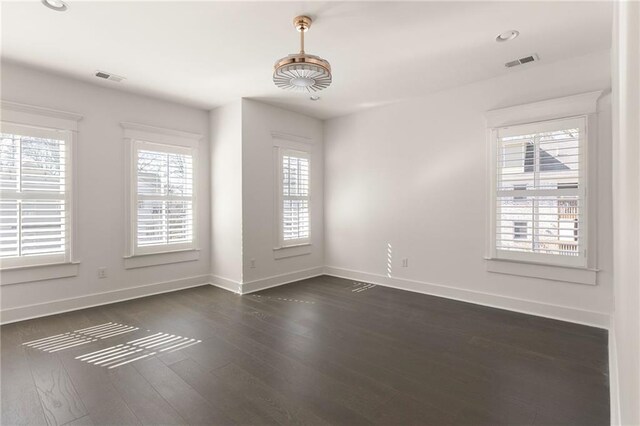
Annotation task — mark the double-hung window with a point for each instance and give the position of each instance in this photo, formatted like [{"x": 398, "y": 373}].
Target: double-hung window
[
  {"x": 293, "y": 200},
  {"x": 540, "y": 204},
  {"x": 163, "y": 198},
  {"x": 35, "y": 201}
]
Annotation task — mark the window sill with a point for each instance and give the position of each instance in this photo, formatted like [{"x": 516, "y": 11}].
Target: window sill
[
  {"x": 31, "y": 273},
  {"x": 569, "y": 274},
  {"x": 162, "y": 258},
  {"x": 291, "y": 251}
]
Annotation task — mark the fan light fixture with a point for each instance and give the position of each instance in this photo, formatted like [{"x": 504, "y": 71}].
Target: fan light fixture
[{"x": 300, "y": 71}]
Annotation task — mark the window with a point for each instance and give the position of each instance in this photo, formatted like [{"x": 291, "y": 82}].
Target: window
[
  {"x": 540, "y": 212},
  {"x": 164, "y": 203},
  {"x": 294, "y": 197},
  {"x": 35, "y": 204}
]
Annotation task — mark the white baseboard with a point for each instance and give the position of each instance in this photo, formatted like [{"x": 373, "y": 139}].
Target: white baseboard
[
  {"x": 596, "y": 319},
  {"x": 53, "y": 307},
  {"x": 226, "y": 283},
  {"x": 564, "y": 313},
  {"x": 276, "y": 280},
  {"x": 614, "y": 395}
]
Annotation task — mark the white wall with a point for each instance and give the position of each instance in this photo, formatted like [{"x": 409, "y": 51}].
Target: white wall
[
  {"x": 412, "y": 177},
  {"x": 226, "y": 195},
  {"x": 259, "y": 121},
  {"x": 100, "y": 197},
  {"x": 625, "y": 333}
]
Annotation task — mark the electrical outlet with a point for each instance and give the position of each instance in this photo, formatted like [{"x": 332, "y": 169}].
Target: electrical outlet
[
  {"x": 405, "y": 263},
  {"x": 102, "y": 272},
  {"x": 252, "y": 263}
]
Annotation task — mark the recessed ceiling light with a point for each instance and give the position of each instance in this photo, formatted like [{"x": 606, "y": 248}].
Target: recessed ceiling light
[
  {"x": 314, "y": 98},
  {"x": 507, "y": 35},
  {"x": 58, "y": 5}
]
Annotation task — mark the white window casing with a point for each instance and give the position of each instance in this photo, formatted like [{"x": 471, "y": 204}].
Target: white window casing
[
  {"x": 161, "y": 192},
  {"x": 540, "y": 193},
  {"x": 37, "y": 202}
]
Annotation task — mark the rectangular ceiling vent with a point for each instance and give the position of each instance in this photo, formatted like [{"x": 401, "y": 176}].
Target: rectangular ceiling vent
[
  {"x": 109, "y": 76},
  {"x": 522, "y": 61}
]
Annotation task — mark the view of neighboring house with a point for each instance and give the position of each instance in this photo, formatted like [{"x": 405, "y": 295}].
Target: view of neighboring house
[{"x": 539, "y": 182}]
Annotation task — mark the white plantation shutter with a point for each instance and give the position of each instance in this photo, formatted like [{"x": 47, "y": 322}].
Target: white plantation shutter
[
  {"x": 295, "y": 225},
  {"x": 540, "y": 193},
  {"x": 34, "y": 187},
  {"x": 164, "y": 192}
]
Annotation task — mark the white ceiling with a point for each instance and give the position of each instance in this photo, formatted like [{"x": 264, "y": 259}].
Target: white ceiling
[{"x": 208, "y": 53}]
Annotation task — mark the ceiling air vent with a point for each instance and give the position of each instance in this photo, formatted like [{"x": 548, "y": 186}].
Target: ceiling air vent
[
  {"x": 522, "y": 61},
  {"x": 109, "y": 76}
]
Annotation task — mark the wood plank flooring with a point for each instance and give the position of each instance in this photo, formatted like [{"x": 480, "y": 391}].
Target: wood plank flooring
[{"x": 315, "y": 352}]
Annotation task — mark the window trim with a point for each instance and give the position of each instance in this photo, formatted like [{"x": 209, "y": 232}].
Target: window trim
[
  {"x": 139, "y": 145},
  {"x": 44, "y": 122},
  {"x": 540, "y": 258},
  {"x": 582, "y": 105},
  {"x": 167, "y": 140}
]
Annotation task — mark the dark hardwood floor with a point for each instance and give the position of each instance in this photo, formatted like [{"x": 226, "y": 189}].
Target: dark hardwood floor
[{"x": 314, "y": 352}]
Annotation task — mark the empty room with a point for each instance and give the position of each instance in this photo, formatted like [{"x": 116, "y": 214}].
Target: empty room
[{"x": 321, "y": 213}]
